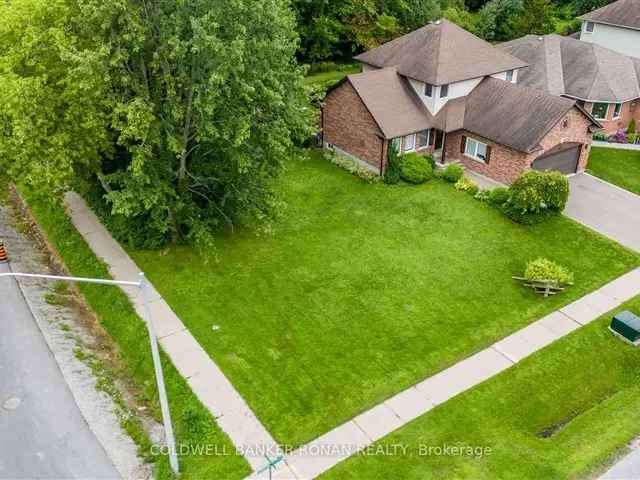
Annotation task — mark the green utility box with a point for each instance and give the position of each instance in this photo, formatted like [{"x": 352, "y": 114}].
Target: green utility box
[{"x": 626, "y": 325}]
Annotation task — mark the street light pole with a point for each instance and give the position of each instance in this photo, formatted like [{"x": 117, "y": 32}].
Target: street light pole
[
  {"x": 143, "y": 285},
  {"x": 157, "y": 365}
]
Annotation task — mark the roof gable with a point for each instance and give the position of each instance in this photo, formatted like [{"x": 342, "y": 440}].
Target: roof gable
[
  {"x": 623, "y": 13},
  {"x": 441, "y": 53},
  {"x": 391, "y": 101}
]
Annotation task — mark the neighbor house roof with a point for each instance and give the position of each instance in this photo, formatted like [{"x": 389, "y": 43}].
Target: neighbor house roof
[
  {"x": 500, "y": 111},
  {"x": 623, "y": 13},
  {"x": 441, "y": 53},
  {"x": 567, "y": 66}
]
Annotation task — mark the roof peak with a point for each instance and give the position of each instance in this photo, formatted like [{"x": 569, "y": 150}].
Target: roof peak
[{"x": 441, "y": 52}]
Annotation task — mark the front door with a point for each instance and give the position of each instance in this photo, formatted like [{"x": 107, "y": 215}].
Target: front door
[{"x": 438, "y": 142}]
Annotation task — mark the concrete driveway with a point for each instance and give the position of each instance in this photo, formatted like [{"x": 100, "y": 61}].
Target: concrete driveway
[
  {"x": 42, "y": 432},
  {"x": 605, "y": 208}
]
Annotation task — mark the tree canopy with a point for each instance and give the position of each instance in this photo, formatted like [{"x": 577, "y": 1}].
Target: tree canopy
[{"x": 183, "y": 111}]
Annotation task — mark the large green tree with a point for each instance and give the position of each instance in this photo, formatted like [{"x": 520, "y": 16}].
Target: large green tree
[{"x": 192, "y": 106}]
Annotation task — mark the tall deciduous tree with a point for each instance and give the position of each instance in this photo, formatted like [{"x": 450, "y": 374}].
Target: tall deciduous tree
[{"x": 193, "y": 106}]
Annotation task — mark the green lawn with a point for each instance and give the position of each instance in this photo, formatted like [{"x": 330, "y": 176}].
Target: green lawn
[
  {"x": 329, "y": 78},
  {"x": 364, "y": 290},
  {"x": 620, "y": 167},
  {"x": 583, "y": 391}
]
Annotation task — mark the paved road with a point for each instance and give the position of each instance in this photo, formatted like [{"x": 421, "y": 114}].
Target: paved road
[
  {"x": 42, "y": 432},
  {"x": 628, "y": 468},
  {"x": 610, "y": 210}
]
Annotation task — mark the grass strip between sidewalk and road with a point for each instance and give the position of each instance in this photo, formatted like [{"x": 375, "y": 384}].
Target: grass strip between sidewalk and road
[{"x": 205, "y": 451}]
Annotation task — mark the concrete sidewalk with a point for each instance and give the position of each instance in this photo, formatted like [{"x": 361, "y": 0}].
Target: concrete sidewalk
[
  {"x": 207, "y": 381},
  {"x": 362, "y": 431}
]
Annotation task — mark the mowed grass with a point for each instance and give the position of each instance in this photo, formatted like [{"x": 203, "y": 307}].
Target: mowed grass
[
  {"x": 329, "y": 78},
  {"x": 620, "y": 167},
  {"x": 364, "y": 290},
  {"x": 583, "y": 391}
]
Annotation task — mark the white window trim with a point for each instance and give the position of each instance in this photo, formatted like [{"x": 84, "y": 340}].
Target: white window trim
[
  {"x": 475, "y": 156},
  {"x": 418, "y": 147},
  {"x": 586, "y": 26},
  {"x": 614, "y": 116},
  {"x": 606, "y": 112},
  {"x": 414, "y": 143}
]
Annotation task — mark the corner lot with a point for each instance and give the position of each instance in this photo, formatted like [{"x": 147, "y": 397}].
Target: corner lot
[{"x": 364, "y": 290}]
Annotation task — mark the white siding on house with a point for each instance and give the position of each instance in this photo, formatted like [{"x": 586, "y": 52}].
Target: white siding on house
[
  {"x": 622, "y": 40},
  {"x": 456, "y": 90}
]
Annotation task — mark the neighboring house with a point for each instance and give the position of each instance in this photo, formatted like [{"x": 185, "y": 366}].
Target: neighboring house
[
  {"x": 605, "y": 82},
  {"x": 444, "y": 91},
  {"x": 615, "y": 26}
]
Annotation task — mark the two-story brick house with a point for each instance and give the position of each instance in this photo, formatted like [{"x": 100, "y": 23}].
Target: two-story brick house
[{"x": 444, "y": 91}]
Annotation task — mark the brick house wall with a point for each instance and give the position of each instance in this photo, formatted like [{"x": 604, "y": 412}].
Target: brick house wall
[
  {"x": 348, "y": 125},
  {"x": 507, "y": 164},
  {"x": 629, "y": 110}
]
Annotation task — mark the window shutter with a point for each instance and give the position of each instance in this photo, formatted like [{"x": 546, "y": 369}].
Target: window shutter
[
  {"x": 488, "y": 155},
  {"x": 463, "y": 144}
]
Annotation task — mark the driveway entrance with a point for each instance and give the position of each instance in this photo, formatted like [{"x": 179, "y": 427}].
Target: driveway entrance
[{"x": 605, "y": 208}]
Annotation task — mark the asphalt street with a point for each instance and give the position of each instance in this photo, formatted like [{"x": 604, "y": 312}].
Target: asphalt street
[{"x": 42, "y": 432}]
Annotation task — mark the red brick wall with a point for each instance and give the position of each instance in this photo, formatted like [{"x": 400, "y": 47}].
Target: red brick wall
[
  {"x": 629, "y": 110},
  {"x": 348, "y": 125},
  {"x": 506, "y": 164}
]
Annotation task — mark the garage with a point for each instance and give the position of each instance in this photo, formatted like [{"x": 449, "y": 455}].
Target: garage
[{"x": 563, "y": 158}]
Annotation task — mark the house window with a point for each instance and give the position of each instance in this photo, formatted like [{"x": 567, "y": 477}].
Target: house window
[
  {"x": 475, "y": 149},
  {"x": 409, "y": 143},
  {"x": 599, "y": 110},
  {"x": 444, "y": 91},
  {"x": 509, "y": 76},
  {"x": 423, "y": 139},
  {"x": 617, "y": 110},
  {"x": 589, "y": 26},
  {"x": 428, "y": 90}
]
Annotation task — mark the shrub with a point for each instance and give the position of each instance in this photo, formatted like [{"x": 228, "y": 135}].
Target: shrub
[
  {"x": 601, "y": 137},
  {"x": 415, "y": 168},
  {"x": 544, "y": 269},
  {"x": 537, "y": 191},
  {"x": 620, "y": 137},
  {"x": 466, "y": 185},
  {"x": 353, "y": 167},
  {"x": 392, "y": 172},
  {"x": 483, "y": 195},
  {"x": 499, "y": 196},
  {"x": 453, "y": 173},
  {"x": 631, "y": 129},
  {"x": 431, "y": 161}
]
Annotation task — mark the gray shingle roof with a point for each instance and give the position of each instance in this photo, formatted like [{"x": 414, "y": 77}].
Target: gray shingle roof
[
  {"x": 441, "y": 53},
  {"x": 567, "y": 66},
  {"x": 392, "y": 102},
  {"x": 500, "y": 111},
  {"x": 624, "y": 13},
  {"x": 513, "y": 115}
]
